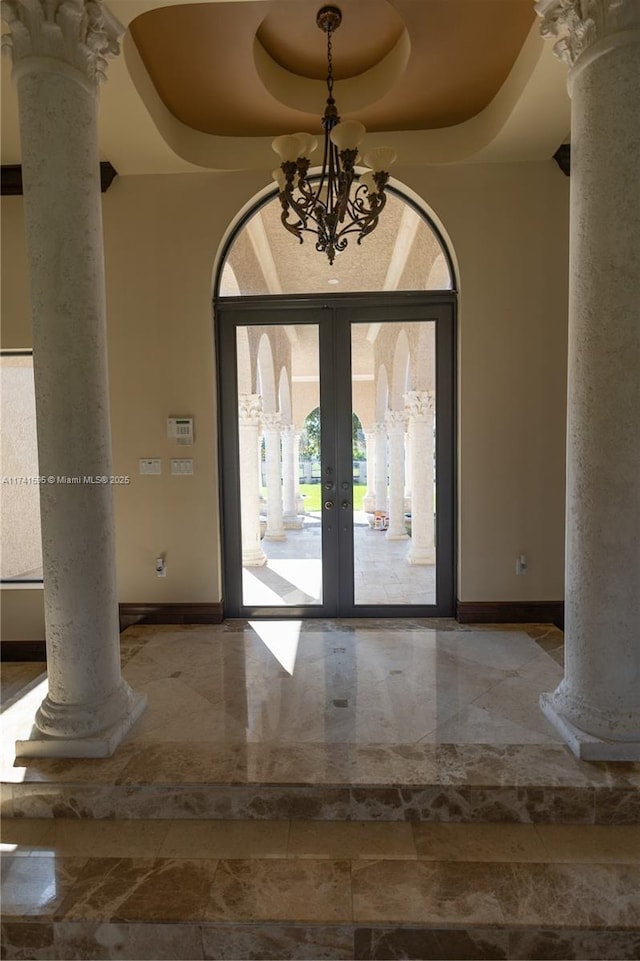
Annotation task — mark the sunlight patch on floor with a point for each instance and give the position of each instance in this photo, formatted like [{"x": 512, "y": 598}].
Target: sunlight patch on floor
[{"x": 282, "y": 638}]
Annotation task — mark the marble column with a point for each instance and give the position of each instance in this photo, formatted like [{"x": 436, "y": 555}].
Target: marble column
[
  {"x": 381, "y": 468},
  {"x": 596, "y": 707},
  {"x": 272, "y": 426},
  {"x": 289, "y": 472},
  {"x": 420, "y": 412},
  {"x": 396, "y": 420},
  {"x": 249, "y": 411},
  {"x": 408, "y": 456},
  {"x": 59, "y": 53},
  {"x": 369, "y": 501}
]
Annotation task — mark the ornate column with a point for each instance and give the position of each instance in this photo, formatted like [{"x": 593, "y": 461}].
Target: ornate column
[
  {"x": 297, "y": 436},
  {"x": 395, "y": 427},
  {"x": 289, "y": 471},
  {"x": 59, "y": 52},
  {"x": 369, "y": 502},
  {"x": 249, "y": 411},
  {"x": 272, "y": 427},
  {"x": 421, "y": 411},
  {"x": 408, "y": 458},
  {"x": 381, "y": 468},
  {"x": 597, "y": 705}
]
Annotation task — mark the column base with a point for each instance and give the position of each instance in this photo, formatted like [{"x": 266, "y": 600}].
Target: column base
[
  {"x": 369, "y": 503},
  {"x": 588, "y": 747},
  {"x": 254, "y": 558},
  {"x": 425, "y": 556},
  {"x": 292, "y": 522},
  {"x": 275, "y": 536},
  {"x": 102, "y": 744},
  {"x": 397, "y": 537}
]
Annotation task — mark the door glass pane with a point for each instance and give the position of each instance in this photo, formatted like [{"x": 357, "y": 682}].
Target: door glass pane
[
  {"x": 279, "y": 451},
  {"x": 393, "y": 402}
]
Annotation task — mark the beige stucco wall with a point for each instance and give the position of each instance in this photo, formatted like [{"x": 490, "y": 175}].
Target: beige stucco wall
[{"x": 508, "y": 225}]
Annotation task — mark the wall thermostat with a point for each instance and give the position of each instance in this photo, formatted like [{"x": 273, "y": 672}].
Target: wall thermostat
[{"x": 180, "y": 429}]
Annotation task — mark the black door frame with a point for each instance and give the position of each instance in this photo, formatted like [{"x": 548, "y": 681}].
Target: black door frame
[{"x": 333, "y": 314}]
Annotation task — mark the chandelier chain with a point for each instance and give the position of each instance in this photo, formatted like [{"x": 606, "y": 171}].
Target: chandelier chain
[{"x": 330, "y": 65}]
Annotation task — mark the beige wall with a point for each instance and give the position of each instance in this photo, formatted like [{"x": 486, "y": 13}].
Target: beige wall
[{"x": 508, "y": 225}]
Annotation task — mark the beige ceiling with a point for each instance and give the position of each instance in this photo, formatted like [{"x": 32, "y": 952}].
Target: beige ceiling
[
  {"x": 239, "y": 69},
  {"x": 406, "y": 67}
]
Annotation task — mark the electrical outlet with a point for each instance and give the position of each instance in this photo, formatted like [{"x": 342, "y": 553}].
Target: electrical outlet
[
  {"x": 521, "y": 565},
  {"x": 161, "y": 567}
]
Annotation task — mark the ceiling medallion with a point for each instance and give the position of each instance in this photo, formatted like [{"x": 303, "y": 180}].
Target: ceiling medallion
[{"x": 326, "y": 206}]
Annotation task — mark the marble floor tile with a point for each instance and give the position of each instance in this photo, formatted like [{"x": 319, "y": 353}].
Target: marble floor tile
[
  {"x": 36, "y": 886},
  {"x": 351, "y": 839},
  {"x": 294, "y": 764},
  {"x": 171, "y": 762},
  {"x": 273, "y": 942},
  {"x": 427, "y": 892},
  {"x": 16, "y": 675},
  {"x": 571, "y": 895},
  {"x": 478, "y": 842},
  {"x": 226, "y": 839},
  {"x": 79, "y": 941},
  {"x": 293, "y": 890},
  {"x": 595, "y": 842},
  {"x": 138, "y": 889},
  {"x": 24, "y": 939}
]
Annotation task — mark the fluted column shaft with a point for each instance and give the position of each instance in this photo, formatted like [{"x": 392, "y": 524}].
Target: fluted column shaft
[
  {"x": 249, "y": 410},
  {"x": 381, "y": 468},
  {"x": 289, "y": 473},
  {"x": 59, "y": 53},
  {"x": 395, "y": 420},
  {"x": 272, "y": 426},
  {"x": 597, "y": 705},
  {"x": 369, "y": 502},
  {"x": 420, "y": 411}
]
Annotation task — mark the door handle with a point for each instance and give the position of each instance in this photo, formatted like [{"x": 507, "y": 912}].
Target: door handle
[
  {"x": 345, "y": 505},
  {"x": 328, "y": 505}
]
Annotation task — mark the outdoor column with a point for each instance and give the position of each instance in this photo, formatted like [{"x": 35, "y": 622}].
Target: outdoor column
[
  {"x": 395, "y": 427},
  {"x": 408, "y": 459},
  {"x": 420, "y": 410},
  {"x": 381, "y": 467},
  {"x": 272, "y": 426},
  {"x": 249, "y": 410},
  {"x": 59, "y": 53},
  {"x": 289, "y": 471},
  {"x": 297, "y": 436},
  {"x": 369, "y": 502},
  {"x": 596, "y": 707}
]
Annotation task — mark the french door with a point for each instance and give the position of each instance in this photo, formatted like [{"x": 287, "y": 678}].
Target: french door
[{"x": 337, "y": 455}]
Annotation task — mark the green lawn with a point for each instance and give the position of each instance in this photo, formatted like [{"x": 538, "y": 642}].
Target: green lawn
[{"x": 314, "y": 493}]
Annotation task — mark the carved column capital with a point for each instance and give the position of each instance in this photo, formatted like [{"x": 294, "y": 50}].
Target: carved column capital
[
  {"x": 272, "y": 421},
  {"x": 419, "y": 404},
  {"x": 576, "y": 25},
  {"x": 288, "y": 430},
  {"x": 80, "y": 34},
  {"x": 249, "y": 410},
  {"x": 395, "y": 421}
]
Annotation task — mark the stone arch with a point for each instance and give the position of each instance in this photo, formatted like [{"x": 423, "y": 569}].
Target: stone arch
[
  {"x": 265, "y": 375},
  {"x": 401, "y": 376},
  {"x": 284, "y": 397},
  {"x": 382, "y": 393}
]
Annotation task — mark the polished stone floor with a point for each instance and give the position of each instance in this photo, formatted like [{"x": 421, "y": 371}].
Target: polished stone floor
[{"x": 323, "y": 789}]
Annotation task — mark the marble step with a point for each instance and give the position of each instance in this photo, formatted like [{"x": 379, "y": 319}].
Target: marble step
[
  {"x": 526, "y": 783},
  {"x": 213, "y": 890}
]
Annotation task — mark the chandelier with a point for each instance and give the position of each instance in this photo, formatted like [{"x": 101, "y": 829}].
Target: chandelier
[{"x": 336, "y": 203}]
